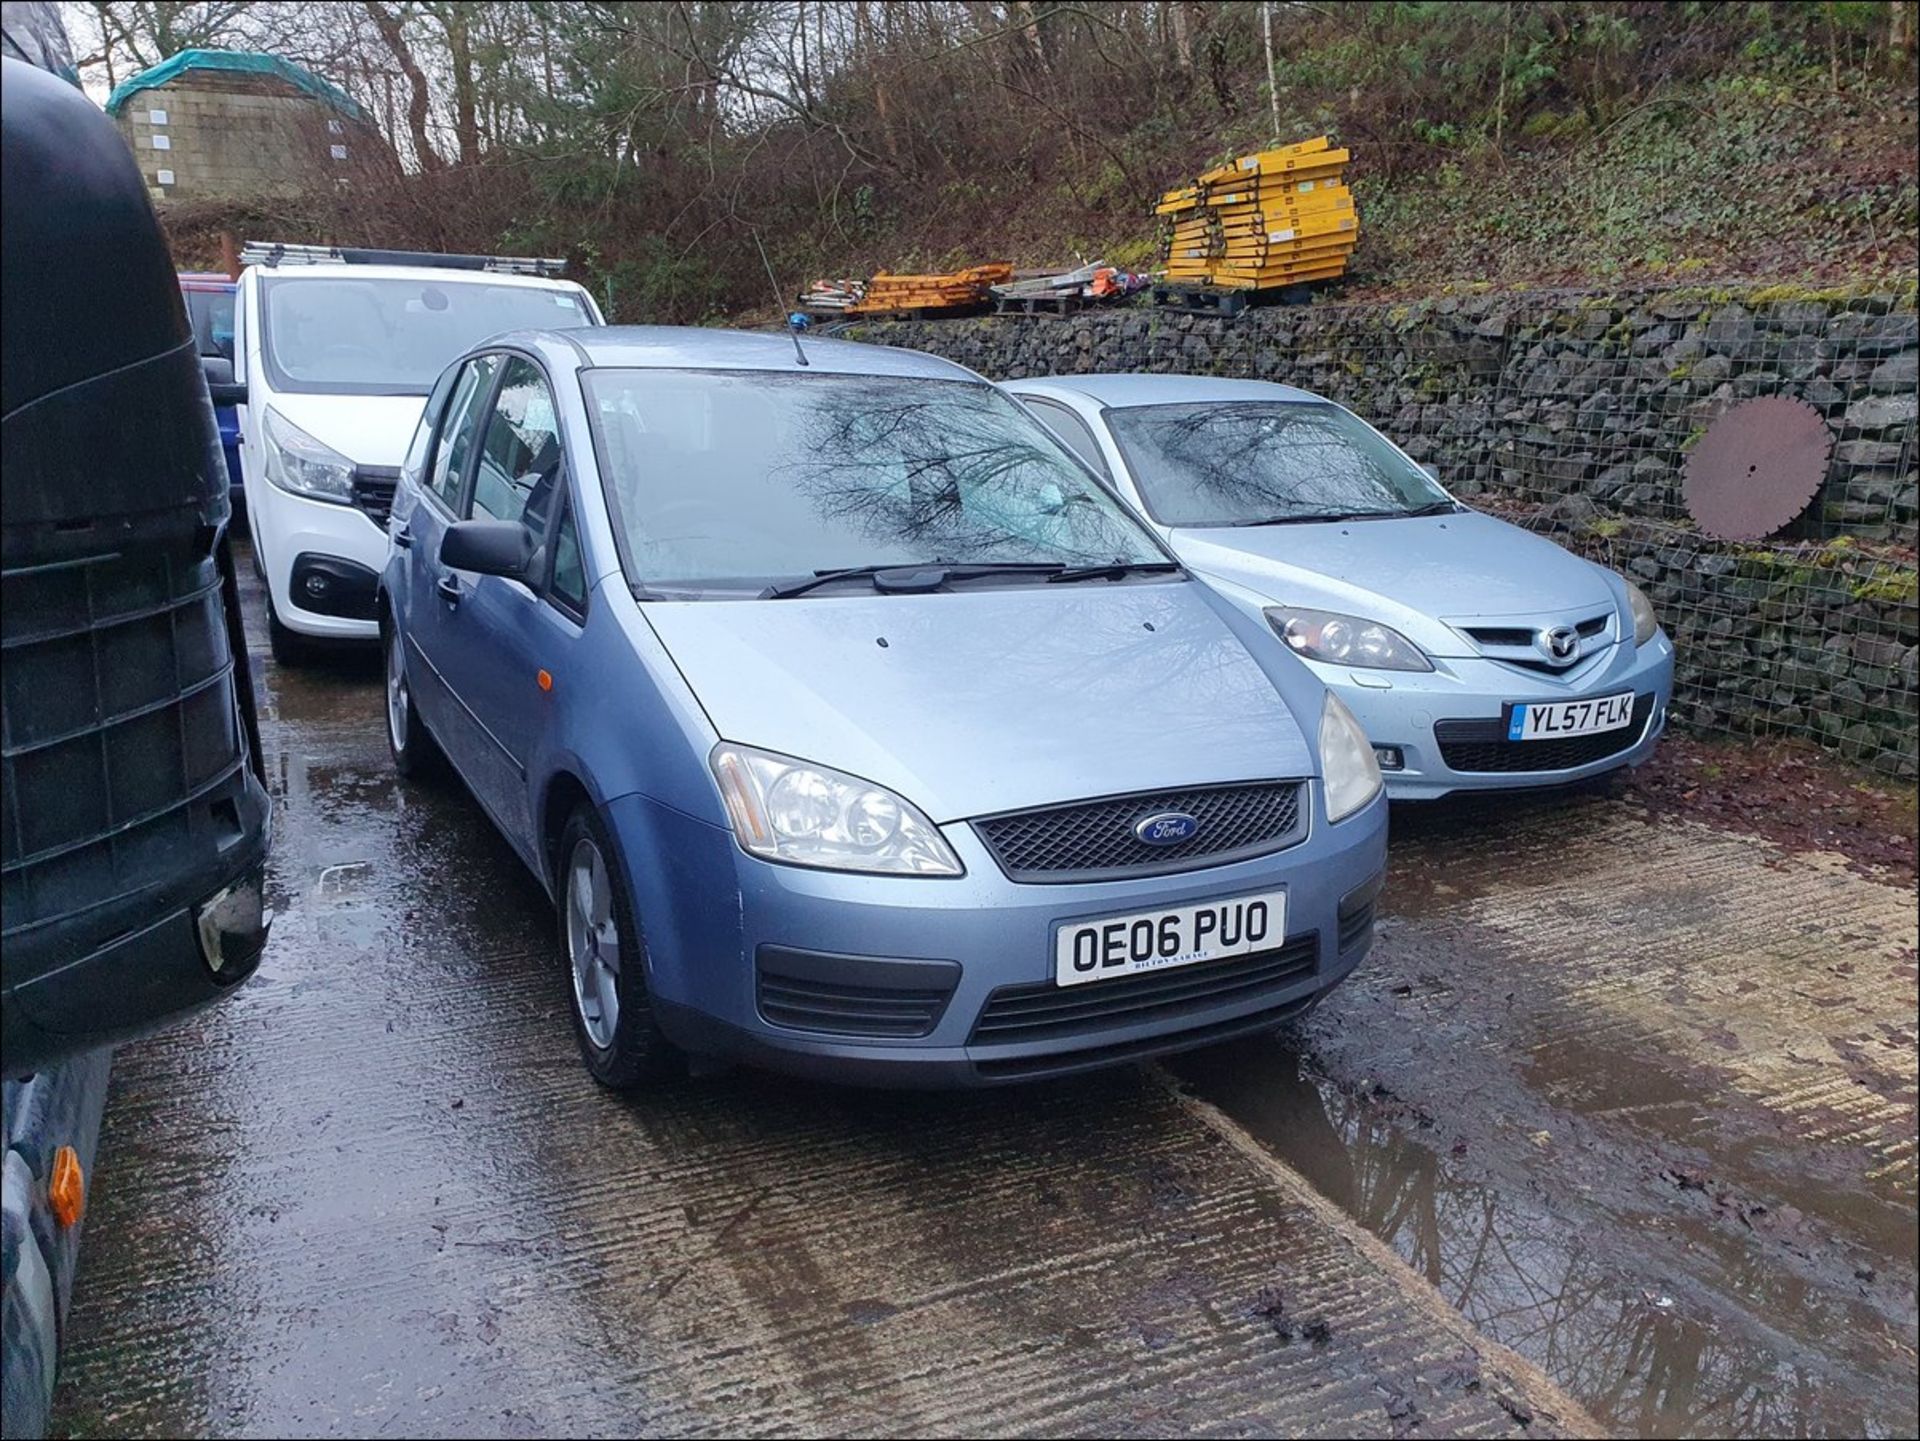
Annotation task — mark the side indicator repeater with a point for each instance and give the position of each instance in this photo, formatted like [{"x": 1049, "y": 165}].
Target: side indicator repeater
[
  {"x": 545, "y": 678},
  {"x": 66, "y": 1188}
]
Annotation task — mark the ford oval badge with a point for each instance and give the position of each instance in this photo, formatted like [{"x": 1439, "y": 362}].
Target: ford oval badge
[{"x": 1167, "y": 828}]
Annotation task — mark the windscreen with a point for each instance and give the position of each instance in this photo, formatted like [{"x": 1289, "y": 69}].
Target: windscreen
[
  {"x": 734, "y": 480},
  {"x": 1244, "y": 462},
  {"x": 350, "y": 335}
]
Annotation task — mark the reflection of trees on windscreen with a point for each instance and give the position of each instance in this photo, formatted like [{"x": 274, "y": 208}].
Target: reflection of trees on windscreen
[
  {"x": 950, "y": 472},
  {"x": 1239, "y": 461}
]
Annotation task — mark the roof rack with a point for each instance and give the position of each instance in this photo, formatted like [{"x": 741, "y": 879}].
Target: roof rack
[{"x": 273, "y": 254}]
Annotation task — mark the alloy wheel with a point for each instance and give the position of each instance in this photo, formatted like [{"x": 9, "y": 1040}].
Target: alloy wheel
[{"x": 593, "y": 943}]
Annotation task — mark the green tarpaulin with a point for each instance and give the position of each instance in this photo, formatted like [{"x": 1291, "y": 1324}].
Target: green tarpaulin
[{"x": 237, "y": 60}]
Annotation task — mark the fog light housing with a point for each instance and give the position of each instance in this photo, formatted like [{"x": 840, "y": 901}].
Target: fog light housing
[
  {"x": 328, "y": 585},
  {"x": 1390, "y": 758},
  {"x": 233, "y": 927}
]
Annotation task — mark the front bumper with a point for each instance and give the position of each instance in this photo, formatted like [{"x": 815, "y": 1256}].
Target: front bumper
[
  {"x": 708, "y": 910},
  {"x": 1401, "y": 709},
  {"x": 292, "y": 532}
]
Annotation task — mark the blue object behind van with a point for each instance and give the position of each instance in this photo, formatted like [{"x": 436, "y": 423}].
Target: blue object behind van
[{"x": 210, "y": 298}]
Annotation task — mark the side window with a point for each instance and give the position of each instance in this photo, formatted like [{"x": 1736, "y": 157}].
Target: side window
[
  {"x": 519, "y": 469},
  {"x": 1071, "y": 430},
  {"x": 220, "y": 322},
  {"x": 568, "y": 584},
  {"x": 412, "y": 469},
  {"x": 457, "y": 433},
  {"x": 211, "y": 312}
]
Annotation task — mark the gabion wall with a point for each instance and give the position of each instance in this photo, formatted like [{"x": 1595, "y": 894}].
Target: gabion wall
[{"x": 1572, "y": 413}]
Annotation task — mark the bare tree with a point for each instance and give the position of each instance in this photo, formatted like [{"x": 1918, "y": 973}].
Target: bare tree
[
  {"x": 142, "y": 33},
  {"x": 391, "y": 24}
]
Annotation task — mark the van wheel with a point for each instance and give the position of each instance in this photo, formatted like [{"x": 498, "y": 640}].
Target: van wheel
[
  {"x": 620, "y": 1040},
  {"x": 416, "y": 755}
]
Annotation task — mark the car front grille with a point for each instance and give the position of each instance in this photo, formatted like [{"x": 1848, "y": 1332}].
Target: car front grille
[
  {"x": 1514, "y": 645},
  {"x": 1094, "y": 840},
  {"x": 373, "y": 487},
  {"x": 1059, "y": 1063},
  {"x": 1482, "y": 745},
  {"x": 1048, "y": 1012},
  {"x": 852, "y": 995},
  {"x": 1522, "y": 636}
]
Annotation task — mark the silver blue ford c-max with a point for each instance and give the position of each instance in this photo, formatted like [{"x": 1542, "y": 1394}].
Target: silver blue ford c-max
[
  {"x": 852, "y": 727},
  {"x": 1478, "y": 656}
]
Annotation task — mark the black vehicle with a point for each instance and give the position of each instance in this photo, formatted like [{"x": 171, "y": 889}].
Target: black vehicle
[{"x": 135, "y": 828}]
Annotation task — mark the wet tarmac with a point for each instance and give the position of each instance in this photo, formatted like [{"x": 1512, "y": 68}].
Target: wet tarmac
[{"x": 1643, "y": 1113}]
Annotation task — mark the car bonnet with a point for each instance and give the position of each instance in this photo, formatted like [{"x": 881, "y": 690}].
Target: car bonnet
[
  {"x": 983, "y": 700},
  {"x": 1412, "y": 573}
]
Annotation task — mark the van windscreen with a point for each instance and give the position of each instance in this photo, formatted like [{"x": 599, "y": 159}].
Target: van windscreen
[{"x": 351, "y": 335}]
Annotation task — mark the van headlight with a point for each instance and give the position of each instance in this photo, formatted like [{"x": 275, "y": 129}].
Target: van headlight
[
  {"x": 1347, "y": 766},
  {"x": 1645, "y": 622},
  {"x": 1325, "y": 635},
  {"x": 786, "y": 810},
  {"x": 298, "y": 463}
]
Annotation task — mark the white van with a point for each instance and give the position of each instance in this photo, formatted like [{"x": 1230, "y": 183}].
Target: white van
[{"x": 334, "y": 354}]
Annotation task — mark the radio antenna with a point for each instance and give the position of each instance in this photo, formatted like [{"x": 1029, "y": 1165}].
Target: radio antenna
[{"x": 779, "y": 299}]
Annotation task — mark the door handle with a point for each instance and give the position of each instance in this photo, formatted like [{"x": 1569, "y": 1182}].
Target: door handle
[
  {"x": 449, "y": 589},
  {"x": 403, "y": 538}
]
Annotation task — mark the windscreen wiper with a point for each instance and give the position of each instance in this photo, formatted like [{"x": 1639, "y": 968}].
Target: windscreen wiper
[
  {"x": 1113, "y": 571},
  {"x": 909, "y": 578},
  {"x": 1318, "y": 517},
  {"x": 1434, "y": 507},
  {"x": 828, "y": 577}
]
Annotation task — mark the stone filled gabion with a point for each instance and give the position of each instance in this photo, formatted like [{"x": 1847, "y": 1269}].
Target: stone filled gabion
[{"x": 1572, "y": 413}]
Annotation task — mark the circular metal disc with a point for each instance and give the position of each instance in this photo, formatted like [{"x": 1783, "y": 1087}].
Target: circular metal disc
[{"x": 1757, "y": 467}]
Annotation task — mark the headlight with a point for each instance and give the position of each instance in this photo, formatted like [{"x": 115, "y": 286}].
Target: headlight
[
  {"x": 1347, "y": 766},
  {"x": 1645, "y": 622},
  {"x": 1345, "y": 639},
  {"x": 298, "y": 463},
  {"x": 787, "y": 810}
]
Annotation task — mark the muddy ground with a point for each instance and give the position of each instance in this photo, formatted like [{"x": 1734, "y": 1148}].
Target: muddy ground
[{"x": 1616, "y": 1129}]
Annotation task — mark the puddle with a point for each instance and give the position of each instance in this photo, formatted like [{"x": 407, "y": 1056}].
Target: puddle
[
  {"x": 1682, "y": 1104},
  {"x": 1557, "y": 1280}
]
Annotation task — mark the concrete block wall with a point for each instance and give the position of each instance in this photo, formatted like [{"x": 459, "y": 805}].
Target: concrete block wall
[{"x": 223, "y": 141}]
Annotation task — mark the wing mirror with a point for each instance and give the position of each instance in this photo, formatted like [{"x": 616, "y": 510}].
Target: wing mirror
[
  {"x": 488, "y": 547},
  {"x": 221, "y": 385}
]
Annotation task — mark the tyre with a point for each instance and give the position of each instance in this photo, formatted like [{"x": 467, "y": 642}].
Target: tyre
[
  {"x": 620, "y": 1040},
  {"x": 416, "y": 755}
]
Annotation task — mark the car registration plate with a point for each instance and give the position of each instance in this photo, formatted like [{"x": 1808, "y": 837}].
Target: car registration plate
[
  {"x": 1559, "y": 719},
  {"x": 1110, "y": 946}
]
